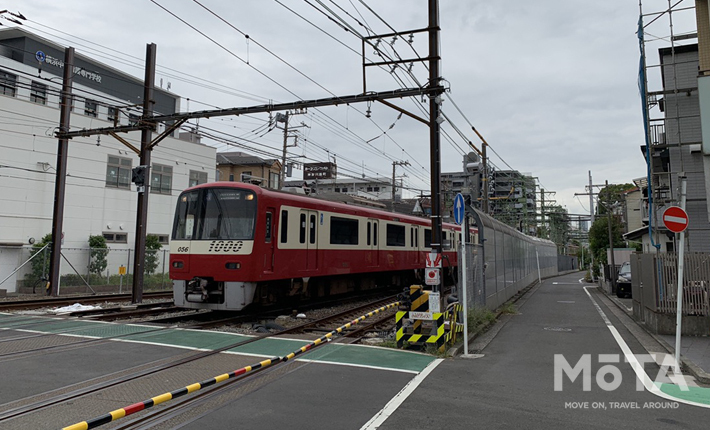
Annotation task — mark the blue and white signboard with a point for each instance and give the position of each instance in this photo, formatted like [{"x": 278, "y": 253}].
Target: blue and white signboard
[{"x": 459, "y": 209}]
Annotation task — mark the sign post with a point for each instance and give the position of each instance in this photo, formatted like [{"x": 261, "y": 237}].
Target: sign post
[
  {"x": 676, "y": 220},
  {"x": 459, "y": 211},
  {"x": 121, "y": 272}
]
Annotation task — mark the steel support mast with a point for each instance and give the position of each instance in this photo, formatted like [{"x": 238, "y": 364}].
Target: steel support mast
[
  {"x": 146, "y": 151},
  {"x": 434, "y": 128},
  {"x": 61, "y": 178}
]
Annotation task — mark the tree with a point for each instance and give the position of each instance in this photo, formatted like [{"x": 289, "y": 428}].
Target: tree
[
  {"x": 152, "y": 245},
  {"x": 40, "y": 263},
  {"x": 99, "y": 252},
  {"x": 599, "y": 238}
]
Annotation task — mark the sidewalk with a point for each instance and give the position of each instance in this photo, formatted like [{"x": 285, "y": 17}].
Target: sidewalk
[{"x": 694, "y": 350}]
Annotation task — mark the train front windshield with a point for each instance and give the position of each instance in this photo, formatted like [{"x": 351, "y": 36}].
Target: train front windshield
[{"x": 215, "y": 214}]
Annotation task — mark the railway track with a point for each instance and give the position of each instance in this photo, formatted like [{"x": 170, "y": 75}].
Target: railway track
[
  {"x": 64, "y": 301},
  {"x": 25, "y": 407}
]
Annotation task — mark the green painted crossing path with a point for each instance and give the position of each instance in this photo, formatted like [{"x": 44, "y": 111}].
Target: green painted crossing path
[{"x": 331, "y": 353}]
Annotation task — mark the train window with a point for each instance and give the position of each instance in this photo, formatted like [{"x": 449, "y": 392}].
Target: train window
[
  {"x": 395, "y": 235},
  {"x": 343, "y": 231},
  {"x": 268, "y": 227},
  {"x": 184, "y": 224},
  {"x": 227, "y": 214},
  {"x": 369, "y": 228},
  {"x": 302, "y": 231},
  {"x": 312, "y": 232},
  {"x": 284, "y": 226},
  {"x": 416, "y": 238},
  {"x": 375, "y": 235},
  {"x": 427, "y": 238},
  {"x": 411, "y": 236}
]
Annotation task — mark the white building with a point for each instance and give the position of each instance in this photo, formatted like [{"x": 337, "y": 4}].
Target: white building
[{"x": 100, "y": 198}]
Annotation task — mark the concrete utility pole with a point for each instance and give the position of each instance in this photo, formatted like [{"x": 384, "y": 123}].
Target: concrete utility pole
[
  {"x": 394, "y": 183},
  {"x": 591, "y": 199},
  {"x": 283, "y": 117},
  {"x": 146, "y": 151},
  {"x": 61, "y": 178},
  {"x": 612, "y": 269}
]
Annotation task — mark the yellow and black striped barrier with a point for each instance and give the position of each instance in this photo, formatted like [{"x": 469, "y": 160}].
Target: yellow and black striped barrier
[
  {"x": 439, "y": 335},
  {"x": 137, "y": 407}
]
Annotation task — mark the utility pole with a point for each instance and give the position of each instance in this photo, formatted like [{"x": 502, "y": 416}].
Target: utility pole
[
  {"x": 284, "y": 119},
  {"x": 612, "y": 269},
  {"x": 61, "y": 178},
  {"x": 394, "y": 183},
  {"x": 146, "y": 151},
  {"x": 591, "y": 199},
  {"x": 542, "y": 211}
]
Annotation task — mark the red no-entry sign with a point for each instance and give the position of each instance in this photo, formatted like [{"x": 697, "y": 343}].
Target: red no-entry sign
[{"x": 675, "y": 219}]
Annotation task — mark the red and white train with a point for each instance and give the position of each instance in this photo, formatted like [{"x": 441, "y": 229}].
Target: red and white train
[{"x": 234, "y": 244}]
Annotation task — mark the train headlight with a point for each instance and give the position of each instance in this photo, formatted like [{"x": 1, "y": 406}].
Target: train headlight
[
  {"x": 233, "y": 266},
  {"x": 178, "y": 264}
]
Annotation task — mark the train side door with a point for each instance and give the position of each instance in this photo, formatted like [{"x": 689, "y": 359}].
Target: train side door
[
  {"x": 372, "y": 242},
  {"x": 269, "y": 239},
  {"x": 308, "y": 236}
]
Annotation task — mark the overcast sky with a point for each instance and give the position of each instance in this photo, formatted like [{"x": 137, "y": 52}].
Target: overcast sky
[{"x": 550, "y": 84}]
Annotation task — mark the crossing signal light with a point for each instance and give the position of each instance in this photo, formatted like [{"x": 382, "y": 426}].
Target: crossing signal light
[{"x": 138, "y": 175}]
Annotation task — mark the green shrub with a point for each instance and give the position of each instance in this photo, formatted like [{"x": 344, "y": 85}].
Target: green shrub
[
  {"x": 40, "y": 264},
  {"x": 152, "y": 257},
  {"x": 98, "y": 253}
]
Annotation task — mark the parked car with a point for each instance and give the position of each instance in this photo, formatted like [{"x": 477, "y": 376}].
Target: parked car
[{"x": 623, "y": 283}]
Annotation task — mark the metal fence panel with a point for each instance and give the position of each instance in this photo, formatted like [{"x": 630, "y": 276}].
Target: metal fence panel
[
  {"x": 696, "y": 279},
  {"x": 24, "y": 272}
]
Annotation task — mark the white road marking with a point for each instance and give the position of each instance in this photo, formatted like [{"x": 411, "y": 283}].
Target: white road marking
[
  {"x": 638, "y": 367},
  {"x": 397, "y": 400}
]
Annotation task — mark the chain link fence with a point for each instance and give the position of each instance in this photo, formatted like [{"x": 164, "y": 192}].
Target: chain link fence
[{"x": 25, "y": 270}]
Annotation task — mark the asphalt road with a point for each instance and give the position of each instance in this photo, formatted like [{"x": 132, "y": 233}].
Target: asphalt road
[{"x": 513, "y": 384}]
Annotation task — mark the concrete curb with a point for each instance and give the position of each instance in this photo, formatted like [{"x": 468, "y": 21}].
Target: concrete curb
[{"x": 692, "y": 368}]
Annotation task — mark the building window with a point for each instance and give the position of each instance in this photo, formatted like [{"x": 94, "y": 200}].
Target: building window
[
  {"x": 163, "y": 239},
  {"x": 8, "y": 84},
  {"x": 90, "y": 108},
  {"x": 377, "y": 189},
  {"x": 197, "y": 178},
  {"x": 369, "y": 189},
  {"x": 337, "y": 190},
  {"x": 118, "y": 172},
  {"x": 112, "y": 114},
  {"x": 38, "y": 93},
  {"x": 231, "y": 177},
  {"x": 274, "y": 180},
  {"x": 133, "y": 119},
  {"x": 116, "y": 237},
  {"x": 161, "y": 179}
]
